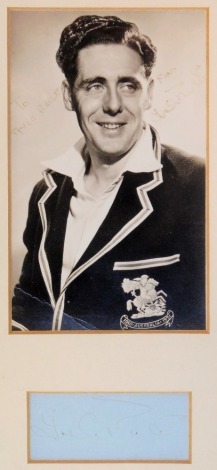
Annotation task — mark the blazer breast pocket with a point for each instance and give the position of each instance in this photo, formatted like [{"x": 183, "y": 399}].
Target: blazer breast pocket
[{"x": 146, "y": 263}]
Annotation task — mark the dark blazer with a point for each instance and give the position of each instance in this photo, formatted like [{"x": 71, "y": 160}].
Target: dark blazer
[{"x": 155, "y": 227}]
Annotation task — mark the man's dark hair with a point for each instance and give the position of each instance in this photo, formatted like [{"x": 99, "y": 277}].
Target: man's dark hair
[{"x": 92, "y": 29}]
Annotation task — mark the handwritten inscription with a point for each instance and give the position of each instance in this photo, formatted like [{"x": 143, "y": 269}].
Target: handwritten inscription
[
  {"x": 173, "y": 90},
  {"x": 140, "y": 422},
  {"x": 31, "y": 113},
  {"x": 109, "y": 426}
]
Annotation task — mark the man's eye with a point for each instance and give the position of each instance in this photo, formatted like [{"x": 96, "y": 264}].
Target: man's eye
[
  {"x": 95, "y": 87},
  {"x": 128, "y": 87}
]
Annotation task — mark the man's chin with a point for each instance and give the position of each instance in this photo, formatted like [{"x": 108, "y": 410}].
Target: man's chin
[
  {"x": 112, "y": 156},
  {"x": 112, "y": 150}
]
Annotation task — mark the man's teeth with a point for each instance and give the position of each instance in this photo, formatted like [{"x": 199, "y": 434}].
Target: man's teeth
[{"x": 110, "y": 126}]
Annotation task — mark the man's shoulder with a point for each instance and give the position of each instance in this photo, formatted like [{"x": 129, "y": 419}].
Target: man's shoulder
[{"x": 184, "y": 164}]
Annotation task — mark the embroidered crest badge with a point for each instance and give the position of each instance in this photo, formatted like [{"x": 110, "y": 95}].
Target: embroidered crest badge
[{"x": 147, "y": 302}]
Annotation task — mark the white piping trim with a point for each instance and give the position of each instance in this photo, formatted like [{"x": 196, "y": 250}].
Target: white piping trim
[
  {"x": 58, "y": 313},
  {"x": 146, "y": 263},
  {"x": 42, "y": 257},
  {"x": 19, "y": 325}
]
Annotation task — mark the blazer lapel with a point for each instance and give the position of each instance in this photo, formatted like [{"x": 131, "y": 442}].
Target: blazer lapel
[
  {"x": 124, "y": 208},
  {"x": 54, "y": 207},
  {"x": 130, "y": 208}
]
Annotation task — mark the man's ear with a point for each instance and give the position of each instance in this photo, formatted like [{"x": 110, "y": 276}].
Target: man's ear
[
  {"x": 67, "y": 96},
  {"x": 149, "y": 94}
]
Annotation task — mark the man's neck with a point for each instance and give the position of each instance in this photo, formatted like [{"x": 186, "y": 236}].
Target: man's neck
[
  {"x": 101, "y": 175},
  {"x": 104, "y": 169}
]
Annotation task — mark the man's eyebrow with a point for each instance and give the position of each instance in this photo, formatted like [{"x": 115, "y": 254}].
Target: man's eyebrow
[
  {"x": 91, "y": 80},
  {"x": 130, "y": 79}
]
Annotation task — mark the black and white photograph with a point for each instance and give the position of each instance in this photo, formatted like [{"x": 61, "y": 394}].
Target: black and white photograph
[{"x": 108, "y": 149}]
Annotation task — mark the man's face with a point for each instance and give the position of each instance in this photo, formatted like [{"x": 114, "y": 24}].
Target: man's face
[{"x": 111, "y": 94}]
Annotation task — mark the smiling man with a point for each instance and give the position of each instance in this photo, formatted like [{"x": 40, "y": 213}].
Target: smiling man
[
  {"x": 110, "y": 105},
  {"x": 115, "y": 231}
]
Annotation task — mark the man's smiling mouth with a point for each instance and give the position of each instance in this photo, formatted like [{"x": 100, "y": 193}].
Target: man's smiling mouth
[{"x": 109, "y": 125}]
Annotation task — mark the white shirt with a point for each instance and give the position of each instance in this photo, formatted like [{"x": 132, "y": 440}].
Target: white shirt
[{"x": 87, "y": 212}]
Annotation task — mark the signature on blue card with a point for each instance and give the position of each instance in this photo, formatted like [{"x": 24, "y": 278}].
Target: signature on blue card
[
  {"x": 129, "y": 419},
  {"x": 109, "y": 426}
]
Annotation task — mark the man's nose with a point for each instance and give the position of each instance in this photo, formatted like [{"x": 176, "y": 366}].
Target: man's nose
[{"x": 112, "y": 102}]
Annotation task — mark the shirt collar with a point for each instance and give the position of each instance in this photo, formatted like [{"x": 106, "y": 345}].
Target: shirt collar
[{"x": 143, "y": 157}]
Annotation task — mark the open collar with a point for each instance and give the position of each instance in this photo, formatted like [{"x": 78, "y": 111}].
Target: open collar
[{"x": 143, "y": 157}]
